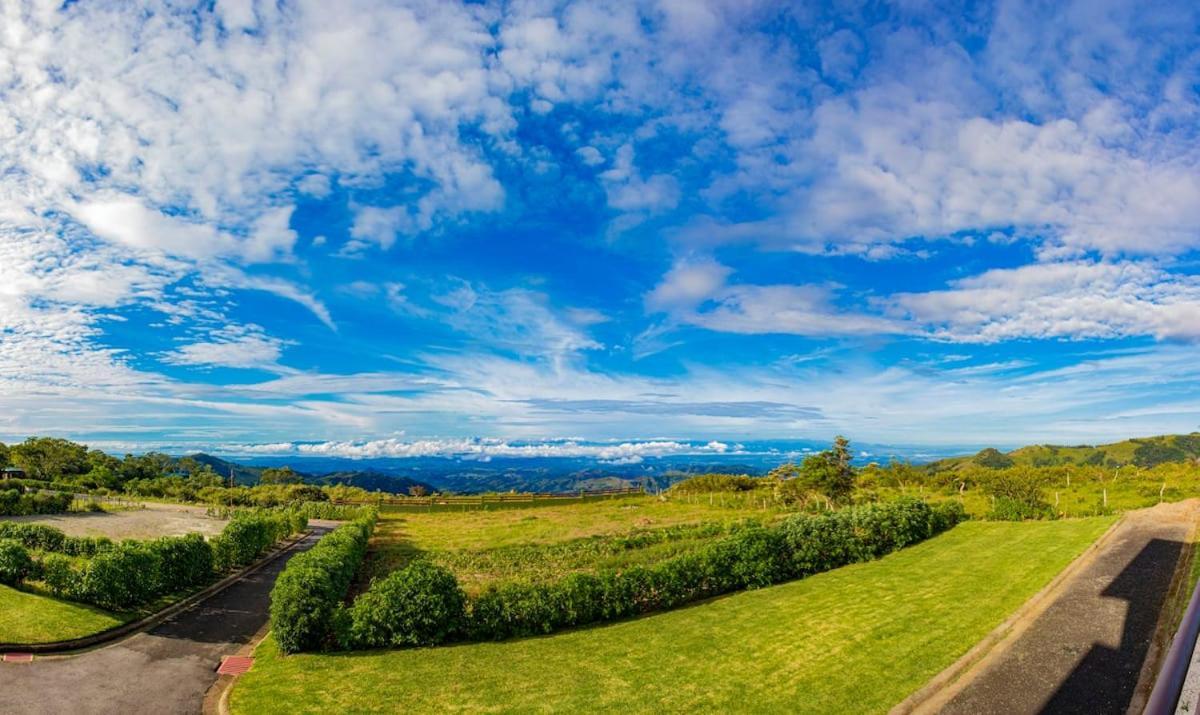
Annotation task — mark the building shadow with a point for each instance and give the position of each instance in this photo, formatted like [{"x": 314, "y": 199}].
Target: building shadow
[{"x": 1104, "y": 681}]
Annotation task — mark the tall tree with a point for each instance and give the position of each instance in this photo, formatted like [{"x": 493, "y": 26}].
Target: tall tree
[{"x": 50, "y": 457}]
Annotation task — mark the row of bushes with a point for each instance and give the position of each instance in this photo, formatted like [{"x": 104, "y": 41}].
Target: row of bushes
[
  {"x": 423, "y": 604},
  {"x": 308, "y": 594},
  {"x": 131, "y": 574},
  {"x": 14, "y": 502},
  {"x": 248, "y": 536},
  {"x": 40, "y": 537},
  {"x": 135, "y": 573}
]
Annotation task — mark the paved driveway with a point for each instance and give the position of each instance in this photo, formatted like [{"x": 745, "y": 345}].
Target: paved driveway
[{"x": 163, "y": 671}]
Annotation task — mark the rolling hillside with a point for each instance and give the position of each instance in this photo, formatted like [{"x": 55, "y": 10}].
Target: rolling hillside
[{"x": 1139, "y": 452}]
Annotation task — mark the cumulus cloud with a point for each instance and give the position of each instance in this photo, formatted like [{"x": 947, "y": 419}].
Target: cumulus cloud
[
  {"x": 1072, "y": 300},
  {"x": 696, "y": 291}
]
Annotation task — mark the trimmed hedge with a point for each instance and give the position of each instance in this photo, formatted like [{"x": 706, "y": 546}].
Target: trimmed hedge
[
  {"x": 751, "y": 557},
  {"x": 248, "y": 536},
  {"x": 15, "y": 503},
  {"x": 40, "y": 537},
  {"x": 420, "y": 604},
  {"x": 15, "y": 562},
  {"x": 136, "y": 573},
  {"x": 308, "y": 594}
]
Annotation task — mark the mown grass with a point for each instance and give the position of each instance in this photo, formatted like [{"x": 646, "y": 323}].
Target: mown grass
[
  {"x": 858, "y": 639},
  {"x": 35, "y": 618},
  {"x": 489, "y": 545}
]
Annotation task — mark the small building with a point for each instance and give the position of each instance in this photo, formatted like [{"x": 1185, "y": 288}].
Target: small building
[{"x": 12, "y": 473}]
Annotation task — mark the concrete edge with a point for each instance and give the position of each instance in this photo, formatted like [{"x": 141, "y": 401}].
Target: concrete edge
[
  {"x": 943, "y": 686},
  {"x": 216, "y": 699},
  {"x": 118, "y": 633}
]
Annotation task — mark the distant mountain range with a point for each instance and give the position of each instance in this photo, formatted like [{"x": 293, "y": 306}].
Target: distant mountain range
[
  {"x": 544, "y": 474},
  {"x": 568, "y": 474}
]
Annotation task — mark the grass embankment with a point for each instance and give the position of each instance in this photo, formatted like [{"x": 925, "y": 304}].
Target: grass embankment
[
  {"x": 486, "y": 546},
  {"x": 34, "y": 618},
  {"x": 857, "y": 639}
]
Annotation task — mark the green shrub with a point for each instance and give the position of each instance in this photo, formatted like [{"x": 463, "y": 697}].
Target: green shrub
[
  {"x": 60, "y": 576},
  {"x": 15, "y": 563},
  {"x": 420, "y": 604},
  {"x": 249, "y": 534},
  {"x": 187, "y": 561},
  {"x": 308, "y": 593},
  {"x": 706, "y": 483},
  {"x": 122, "y": 578}
]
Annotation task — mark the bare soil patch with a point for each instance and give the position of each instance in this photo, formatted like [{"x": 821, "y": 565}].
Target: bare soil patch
[{"x": 151, "y": 522}]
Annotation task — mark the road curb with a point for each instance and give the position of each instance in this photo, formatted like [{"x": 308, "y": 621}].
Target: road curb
[
  {"x": 125, "y": 630},
  {"x": 942, "y": 686}
]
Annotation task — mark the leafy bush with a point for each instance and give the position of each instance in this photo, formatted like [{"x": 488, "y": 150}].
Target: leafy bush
[
  {"x": 307, "y": 594},
  {"x": 248, "y": 536},
  {"x": 13, "y": 502},
  {"x": 1017, "y": 495},
  {"x": 420, "y": 604},
  {"x": 15, "y": 563},
  {"x": 706, "y": 483},
  {"x": 40, "y": 537},
  {"x": 187, "y": 561},
  {"x": 60, "y": 576},
  {"x": 124, "y": 577}
]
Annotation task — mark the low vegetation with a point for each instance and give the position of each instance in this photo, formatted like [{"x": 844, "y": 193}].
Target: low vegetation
[
  {"x": 129, "y": 575},
  {"x": 751, "y": 557},
  {"x": 856, "y": 639}
]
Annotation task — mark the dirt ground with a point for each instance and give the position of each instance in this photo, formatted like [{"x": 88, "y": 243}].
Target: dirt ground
[{"x": 153, "y": 521}]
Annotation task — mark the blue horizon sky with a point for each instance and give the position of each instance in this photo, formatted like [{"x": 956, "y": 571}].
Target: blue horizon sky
[{"x": 397, "y": 227}]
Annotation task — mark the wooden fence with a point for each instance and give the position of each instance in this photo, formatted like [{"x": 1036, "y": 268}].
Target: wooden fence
[{"x": 485, "y": 500}]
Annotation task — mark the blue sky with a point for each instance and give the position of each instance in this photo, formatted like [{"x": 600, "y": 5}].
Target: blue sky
[{"x": 403, "y": 227}]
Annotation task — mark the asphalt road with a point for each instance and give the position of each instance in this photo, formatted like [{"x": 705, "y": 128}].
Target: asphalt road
[{"x": 164, "y": 671}]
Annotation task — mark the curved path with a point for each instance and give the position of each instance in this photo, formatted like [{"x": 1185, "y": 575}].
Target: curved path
[{"x": 163, "y": 671}]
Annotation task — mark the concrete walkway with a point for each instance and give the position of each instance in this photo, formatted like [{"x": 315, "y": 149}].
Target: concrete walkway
[
  {"x": 1084, "y": 653},
  {"x": 164, "y": 671}
]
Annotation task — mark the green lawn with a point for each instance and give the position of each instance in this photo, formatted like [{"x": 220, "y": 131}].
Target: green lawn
[
  {"x": 33, "y": 618},
  {"x": 858, "y": 639},
  {"x": 483, "y": 546}
]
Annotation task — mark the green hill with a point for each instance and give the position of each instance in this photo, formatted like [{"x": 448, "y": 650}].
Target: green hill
[{"x": 1141, "y": 452}]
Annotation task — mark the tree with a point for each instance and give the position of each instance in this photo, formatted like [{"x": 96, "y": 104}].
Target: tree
[
  {"x": 416, "y": 490},
  {"x": 4, "y": 458},
  {"x": 50, "y": 458},
  {"x": 830, "y": 472},
  {"x": 279, "y": 475}
]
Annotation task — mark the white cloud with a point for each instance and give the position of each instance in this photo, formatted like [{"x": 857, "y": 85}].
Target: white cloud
[
  {"x": 1061, "y": 300},
  {"x": 247, "y": 351},
  {"x": 696, "y": 291}
]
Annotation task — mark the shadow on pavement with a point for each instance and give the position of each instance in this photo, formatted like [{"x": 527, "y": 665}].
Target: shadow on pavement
[{"x": 1104, "y": 681}]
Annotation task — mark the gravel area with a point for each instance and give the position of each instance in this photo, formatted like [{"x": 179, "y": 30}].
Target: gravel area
[{"x": 150, "y": 522}]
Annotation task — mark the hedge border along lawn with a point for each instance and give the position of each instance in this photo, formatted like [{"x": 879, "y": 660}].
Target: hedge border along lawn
[
  {"x": 134, "y": 574},
  {"x": 34, "y": 618},
  {"x": 753, "y": 557},
  {"x": 306, "y": 598},
  {"x": 857, "y": 639}
]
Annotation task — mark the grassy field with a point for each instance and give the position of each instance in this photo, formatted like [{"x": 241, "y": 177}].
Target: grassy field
[
  {"x": 483, "y": 546},
  {"x": 33, "y": 618},
  {"x": 857, "y": 639}
]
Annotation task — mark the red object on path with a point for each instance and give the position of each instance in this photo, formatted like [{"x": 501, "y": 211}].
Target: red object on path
[
  {"x": 18, "y": 657},
  {"x": 235, "y": 665}
]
